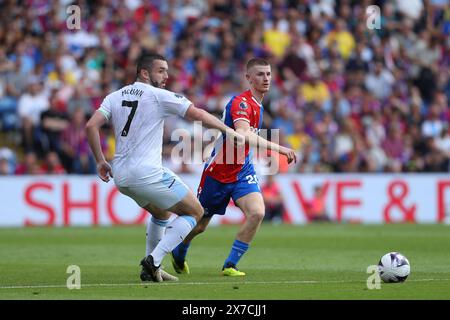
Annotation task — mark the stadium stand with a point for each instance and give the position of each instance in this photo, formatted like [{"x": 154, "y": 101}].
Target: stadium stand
[{"x": 348, "y": 98}]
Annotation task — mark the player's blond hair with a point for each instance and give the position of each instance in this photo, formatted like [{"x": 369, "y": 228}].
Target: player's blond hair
[{"x": 257, "y": 62}]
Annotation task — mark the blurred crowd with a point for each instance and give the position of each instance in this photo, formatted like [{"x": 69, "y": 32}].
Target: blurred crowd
[{"x": 348, "y": 95}]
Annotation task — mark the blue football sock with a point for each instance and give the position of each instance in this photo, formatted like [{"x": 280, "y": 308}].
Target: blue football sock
[
  {"x": 237, "y": 251},
  {"x": 180, "y": 252}
]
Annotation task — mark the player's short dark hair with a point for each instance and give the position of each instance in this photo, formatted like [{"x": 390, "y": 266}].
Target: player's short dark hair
[
  {"x": 257, "y": 62},
  {"x": 146, "y": 61}
]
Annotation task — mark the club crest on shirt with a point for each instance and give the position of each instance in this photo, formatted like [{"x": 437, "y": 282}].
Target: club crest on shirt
[
  {"x": 243, "y": 105},
  {"x": 179, "y": 96}
]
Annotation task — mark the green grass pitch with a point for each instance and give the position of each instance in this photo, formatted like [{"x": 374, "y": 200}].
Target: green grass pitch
[{"x": 283, "y": 262}]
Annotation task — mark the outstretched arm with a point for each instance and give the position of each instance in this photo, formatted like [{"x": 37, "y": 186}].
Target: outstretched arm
[
  {"x": 92, "y": 131},
  {"x": 208, "y": 120},
  {"x": 243, "y": 127}
]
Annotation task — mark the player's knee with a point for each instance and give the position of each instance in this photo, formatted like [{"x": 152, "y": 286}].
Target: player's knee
[
  {"x": 255, "y": 216},
  {"x": 197, "y": 212},
  {"x": 191, "y": 207}
]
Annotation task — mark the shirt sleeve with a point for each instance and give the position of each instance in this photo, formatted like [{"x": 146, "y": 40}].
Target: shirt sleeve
[
  {"x": 240, "y": 110},
  {"x": 105, "y": 108},
  {"x": 173, "y": 103}
]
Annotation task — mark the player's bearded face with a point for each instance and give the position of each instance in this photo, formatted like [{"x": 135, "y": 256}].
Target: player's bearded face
[
  {"x": 158, "y": 74},
  {"x": 259, "y": 78},
  {"x": 157, "y": 83}
]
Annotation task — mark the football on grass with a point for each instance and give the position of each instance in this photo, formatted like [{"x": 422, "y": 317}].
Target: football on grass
[{"x": 394, "y": 267}]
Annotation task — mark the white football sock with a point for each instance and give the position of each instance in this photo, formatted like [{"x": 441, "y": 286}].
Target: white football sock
[
  {"x": 155, "y": 232},
  {"x": 176, "y": 231}
]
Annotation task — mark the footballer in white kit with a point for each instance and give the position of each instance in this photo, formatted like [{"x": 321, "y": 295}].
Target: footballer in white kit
[{"x": 137, "y": 112}]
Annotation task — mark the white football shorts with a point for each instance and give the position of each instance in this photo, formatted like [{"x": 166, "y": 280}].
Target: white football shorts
[{"x": 164, "y": 194}]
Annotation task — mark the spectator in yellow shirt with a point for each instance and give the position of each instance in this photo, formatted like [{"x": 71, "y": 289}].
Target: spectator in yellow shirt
[
  {"x": 315, "y": 91},
  {"x": 299, "y": 138},
  {"x": 276, "y": 40},
  {"x": 342, "y": 38}
]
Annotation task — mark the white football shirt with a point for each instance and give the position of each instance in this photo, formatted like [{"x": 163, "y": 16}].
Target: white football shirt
[{"x": 137, "y": 113}]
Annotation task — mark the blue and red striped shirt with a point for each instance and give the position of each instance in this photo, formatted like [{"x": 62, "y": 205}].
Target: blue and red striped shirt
[{"x": 227, "y": 163}]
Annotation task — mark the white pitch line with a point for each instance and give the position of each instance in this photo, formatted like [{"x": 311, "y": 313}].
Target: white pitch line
[{"x": 171, "y": 283}]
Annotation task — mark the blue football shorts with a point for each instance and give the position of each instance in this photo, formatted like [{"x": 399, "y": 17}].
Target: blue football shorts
[{"x": 215, "y": 196}]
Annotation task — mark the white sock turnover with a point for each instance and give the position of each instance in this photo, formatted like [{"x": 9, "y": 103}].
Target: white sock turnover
[{"x": 155, "y": 232}]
